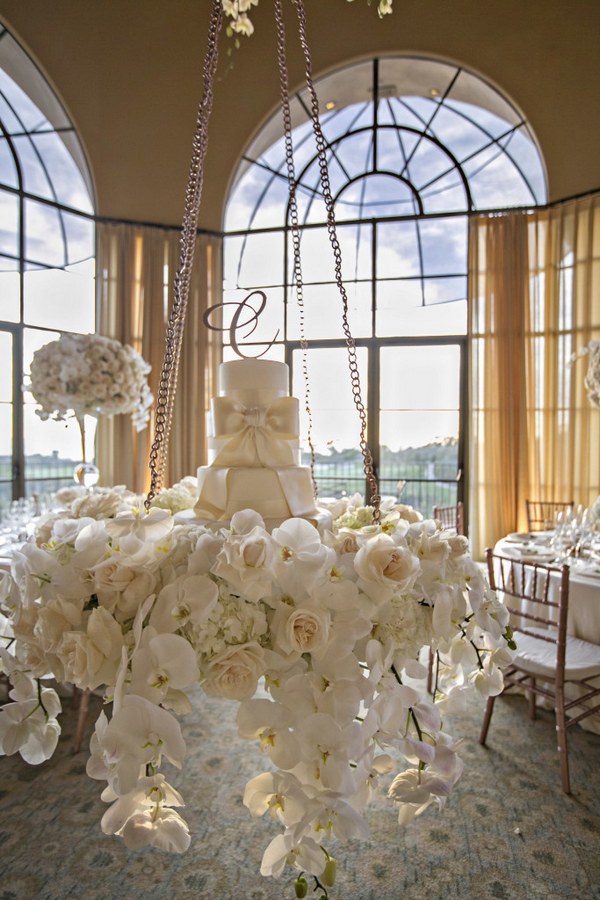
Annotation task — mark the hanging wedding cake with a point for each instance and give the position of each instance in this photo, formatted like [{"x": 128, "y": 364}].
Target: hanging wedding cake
[{"x": 254, "y": 449}]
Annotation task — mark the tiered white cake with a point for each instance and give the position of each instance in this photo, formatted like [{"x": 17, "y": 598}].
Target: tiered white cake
[{"x": 254, "y": 449}]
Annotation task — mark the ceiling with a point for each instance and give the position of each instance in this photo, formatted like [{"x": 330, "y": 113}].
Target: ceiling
[{"x": 130, "y": 71}]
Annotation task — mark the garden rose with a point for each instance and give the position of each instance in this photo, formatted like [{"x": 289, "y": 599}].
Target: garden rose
[
  {"x": 235, "y": 672},
  {"x": 383, "y": 562}
]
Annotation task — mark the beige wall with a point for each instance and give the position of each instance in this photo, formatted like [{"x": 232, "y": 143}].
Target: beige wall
[{"x": 129, "y": 73}]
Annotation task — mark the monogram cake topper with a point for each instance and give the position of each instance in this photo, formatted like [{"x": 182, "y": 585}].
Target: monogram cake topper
[{"x": 251, "y": 322}]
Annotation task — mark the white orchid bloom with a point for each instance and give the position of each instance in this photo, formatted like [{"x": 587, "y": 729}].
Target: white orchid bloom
[
  {"x": 245, "y": 521},
  {"x": 162, "y": 662},
  {"x": 153, "y": 526},
  {"x": 488, "y": 681},
  {"x": 271, "y": 725},
  {"x": 327, "y": 749},
  {"x": 246, "y": 562},
  {"x": 301, "y": 558},
  {"x": 144, "y": 817},
  {"x": 139, "y": 734},
  {"x": 280, "y": 794},
  {"x": 29, "y": 727},
  {"x": 305, "y": 855},
  {"x": 414, "y": 791},
  {"x": 136, "y": 535},
  {"x": 328, "y": 814},
  {"x": 189, "y": 599},
  {"x": 204, "y": 554}
]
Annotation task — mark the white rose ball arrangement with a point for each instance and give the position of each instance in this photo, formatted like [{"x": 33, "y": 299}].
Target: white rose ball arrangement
[
  {"x": 88, "y": 374},
  {"x": 592, "y": 376}
]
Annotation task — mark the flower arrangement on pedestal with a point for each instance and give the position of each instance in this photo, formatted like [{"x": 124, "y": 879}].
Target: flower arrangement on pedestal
[
  {"x": 83, "y": 375},
  {"x": 592, "y": 377},
  {"x": 332, "y": 625},
  {"x": 88, "y": 374}
]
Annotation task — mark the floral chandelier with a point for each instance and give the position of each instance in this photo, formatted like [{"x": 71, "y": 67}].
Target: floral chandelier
[
  {"x": 239, "y": 20},
  {"x": 318, "y": 634}
]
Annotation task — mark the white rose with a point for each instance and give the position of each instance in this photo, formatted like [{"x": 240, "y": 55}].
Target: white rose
[
  {"x": 234, "y": 673},
  {"x": 408, "y": 513},
  {"x": 302, "y": 629},
  {"x": 92, "y": 658},
  {"x": 54, "y": 619},
  {"x": 459, "y": 545},
  {"x": 383, "y": 562},
  {"x": 346, "y": 543},
  {"x": 65, "y": 496},
  {"x": 432, "y": 548}
]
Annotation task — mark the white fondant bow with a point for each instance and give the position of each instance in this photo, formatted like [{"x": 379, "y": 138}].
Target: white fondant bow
[{"x": 255, "y": 435}]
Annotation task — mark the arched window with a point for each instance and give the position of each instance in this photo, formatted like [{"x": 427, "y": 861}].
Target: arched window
[
  {"x": 414, "y": 147},
  {"x": 47, "y": 252}
]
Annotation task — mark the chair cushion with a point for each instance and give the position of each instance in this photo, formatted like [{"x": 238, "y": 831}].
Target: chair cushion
[{"x": 582, "y": 659}]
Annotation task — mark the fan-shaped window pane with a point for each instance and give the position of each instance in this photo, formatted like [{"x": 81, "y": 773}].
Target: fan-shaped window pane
[
  {"x": 355, "y": 153},
  {"x": 35, "y": 175},
  {"x": 9, "y": 223},
  {"x": 426, "y": 163},
  {"x": 63, "y": 173},
  {"x": 444, "y": 193},
  {"x": 376, "y": 196},
  {"x": 8, "y": 169}
]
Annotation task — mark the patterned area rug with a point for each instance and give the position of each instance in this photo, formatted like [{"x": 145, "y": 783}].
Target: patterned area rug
[{"x": 508, "y": 832}]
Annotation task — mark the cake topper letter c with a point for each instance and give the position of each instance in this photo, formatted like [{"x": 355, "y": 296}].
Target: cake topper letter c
[{"x": 252, "y": 321}]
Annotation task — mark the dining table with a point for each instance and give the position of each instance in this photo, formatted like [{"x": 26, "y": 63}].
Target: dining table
[{"x": 583, "y": 620}]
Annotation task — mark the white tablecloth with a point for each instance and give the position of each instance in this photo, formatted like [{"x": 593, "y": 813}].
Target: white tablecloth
[
  {"x": 584, "y": 587},
  {"x": 584, "y": 596}
]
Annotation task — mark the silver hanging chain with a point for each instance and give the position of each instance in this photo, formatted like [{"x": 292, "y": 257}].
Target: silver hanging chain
[
  {"x": 295, "y": 230},
  {"x": 174, "y": 333},
  {"x": 369, "y": 469}
]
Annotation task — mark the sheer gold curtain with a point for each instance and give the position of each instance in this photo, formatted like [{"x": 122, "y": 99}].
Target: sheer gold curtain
[
  {"x": 136, "y": 267},
  {"x": 534, "y": 301}
]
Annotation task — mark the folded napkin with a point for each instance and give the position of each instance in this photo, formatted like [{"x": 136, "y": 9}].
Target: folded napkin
[
  {"x": 585, "y": 569},
  {"x": 530, "y": 553}
]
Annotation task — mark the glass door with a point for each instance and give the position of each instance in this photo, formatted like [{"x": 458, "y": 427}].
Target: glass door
[
  {"x": 421, "y": 386},
  {"x": 415, "y": 393}
]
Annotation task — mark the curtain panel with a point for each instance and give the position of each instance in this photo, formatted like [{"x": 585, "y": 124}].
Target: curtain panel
[
  {"x": 136, "y": 267},
  {"x": 534, "y": 285}
]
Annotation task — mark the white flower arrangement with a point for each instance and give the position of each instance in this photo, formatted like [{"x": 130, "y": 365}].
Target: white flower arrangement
[
  {"x": 181, "y": 496},
  {"x": 592, "y": 377},
  {"x": 88, "y": 374},
  {"x": 240, "y": 23},
  {"x": 332, "y": 625}
]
